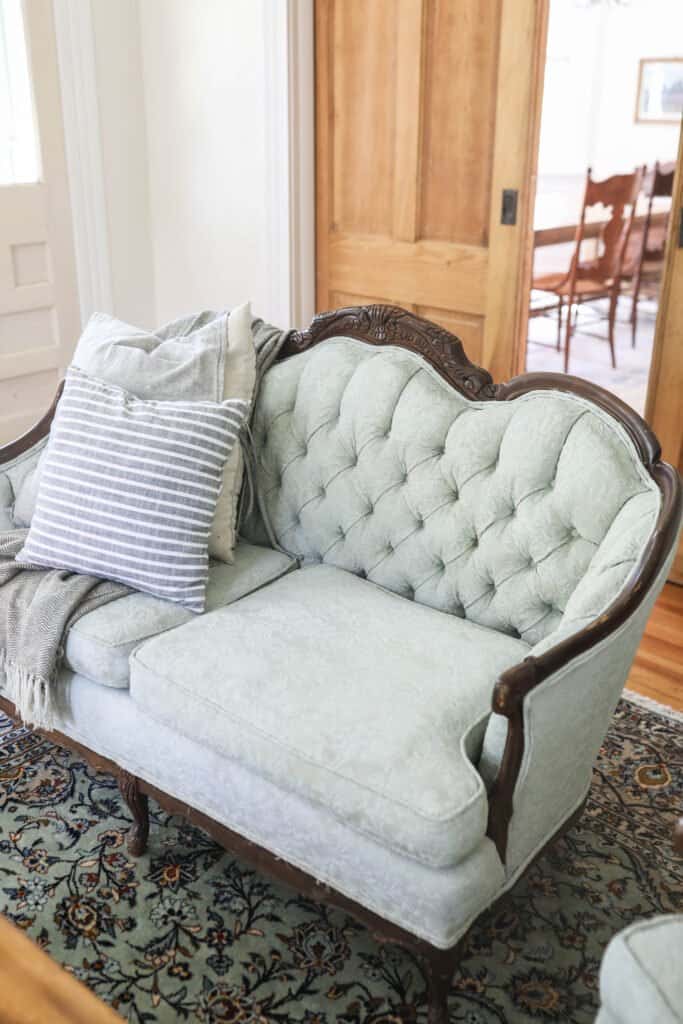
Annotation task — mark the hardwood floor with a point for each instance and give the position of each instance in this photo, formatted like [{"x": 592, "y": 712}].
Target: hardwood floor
[{"x": 658, "y": 669}]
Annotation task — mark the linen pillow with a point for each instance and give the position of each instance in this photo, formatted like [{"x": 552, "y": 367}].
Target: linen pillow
[
  {"x": 183, "y": 361},
  {"x": 128, "y": 488},
  {"x": 206, "y": 355}
]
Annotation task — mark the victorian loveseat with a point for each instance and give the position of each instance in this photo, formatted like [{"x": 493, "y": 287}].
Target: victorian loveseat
[{"x": 398, "y": 709}]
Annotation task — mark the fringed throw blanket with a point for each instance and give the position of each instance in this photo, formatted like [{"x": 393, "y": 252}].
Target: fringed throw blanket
[{"x": 37, "y": 607}]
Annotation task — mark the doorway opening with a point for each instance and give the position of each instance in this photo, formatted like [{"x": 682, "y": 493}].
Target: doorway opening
[{"x": 610, "y": 125}]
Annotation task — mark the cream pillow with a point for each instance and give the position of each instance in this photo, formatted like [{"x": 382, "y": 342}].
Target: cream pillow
[{"x": 240, "y": 381}]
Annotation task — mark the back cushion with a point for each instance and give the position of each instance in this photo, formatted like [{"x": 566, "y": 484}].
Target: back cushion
[{"x": 495, "y": 511}]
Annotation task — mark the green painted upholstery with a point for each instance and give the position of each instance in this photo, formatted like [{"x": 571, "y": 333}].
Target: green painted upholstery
[
  {"x": 338, "y": 690},
  {"x": 16, "y": 488},
  {"x": 522, "y": 516},
  {"x": 99, "y": 645}
]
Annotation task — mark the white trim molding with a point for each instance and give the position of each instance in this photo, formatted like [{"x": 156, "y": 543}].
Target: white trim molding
[
  {"x": 290, "y": 170},
  {"x": 78, "y": 81}
]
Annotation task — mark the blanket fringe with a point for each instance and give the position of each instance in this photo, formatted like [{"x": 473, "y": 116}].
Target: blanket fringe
[{"x": 30, "y": 693}]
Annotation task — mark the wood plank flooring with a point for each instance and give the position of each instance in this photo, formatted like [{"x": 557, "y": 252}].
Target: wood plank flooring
[{"x": 658, "y": 669}]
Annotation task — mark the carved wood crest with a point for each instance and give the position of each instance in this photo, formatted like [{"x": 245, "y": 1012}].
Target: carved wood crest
[{"x": 390, "y": 325}]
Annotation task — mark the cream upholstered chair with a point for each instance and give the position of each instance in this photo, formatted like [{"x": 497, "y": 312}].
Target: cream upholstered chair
[
  {"x": 641, "y": 977},
  {"x": 402, "y": 724}
]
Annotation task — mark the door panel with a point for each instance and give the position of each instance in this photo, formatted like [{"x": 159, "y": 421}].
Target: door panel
[
  {"x": 461, "y": 59},
  {"x": 422, "y": 118},
  {"x": 39, "y": 319}
]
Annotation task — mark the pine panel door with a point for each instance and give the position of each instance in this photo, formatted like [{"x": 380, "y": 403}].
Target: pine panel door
[{"x": 425, "y": 111}]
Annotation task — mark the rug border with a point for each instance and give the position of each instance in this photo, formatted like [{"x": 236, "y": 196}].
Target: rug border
[{"x": 652, "y": 705}]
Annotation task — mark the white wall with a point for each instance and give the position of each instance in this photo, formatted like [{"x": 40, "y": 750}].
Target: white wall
[
  {"x": 203, "y": 74},
  {"x": 181, "y": 94},
  {"x": 118, "y": 70},
  {"x": 591, "y": 83}
]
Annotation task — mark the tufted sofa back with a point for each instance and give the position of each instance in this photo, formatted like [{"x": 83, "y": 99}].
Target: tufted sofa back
[{"x": 524, "y": 516}]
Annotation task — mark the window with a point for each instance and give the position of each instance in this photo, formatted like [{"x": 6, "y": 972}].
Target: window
[{"x": 19, "y": 156}]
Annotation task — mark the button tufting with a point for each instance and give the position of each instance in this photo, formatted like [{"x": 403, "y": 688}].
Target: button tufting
[
  {"x": 419, "y": 524},
  {"x": 362, "y": 573},
  {"x": 389, "y": 547},
  {"x": 410, "y": 594},
  {"x": 321, "y": 491},
  {"x": 341, "y": 532},
  {"x": 475, "y": 541}
]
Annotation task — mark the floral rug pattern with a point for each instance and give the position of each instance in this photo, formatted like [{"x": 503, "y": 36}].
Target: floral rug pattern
[{"x": 187, "y": 933}]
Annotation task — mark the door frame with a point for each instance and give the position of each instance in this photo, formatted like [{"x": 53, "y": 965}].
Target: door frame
[{"x": 664, "y": 403}]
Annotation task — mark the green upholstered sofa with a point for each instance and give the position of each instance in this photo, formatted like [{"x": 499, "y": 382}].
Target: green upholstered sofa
[{"x": 398, "y": 706}]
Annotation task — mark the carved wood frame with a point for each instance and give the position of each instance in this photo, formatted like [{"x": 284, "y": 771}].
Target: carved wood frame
[{"x": 390, "y": 325}]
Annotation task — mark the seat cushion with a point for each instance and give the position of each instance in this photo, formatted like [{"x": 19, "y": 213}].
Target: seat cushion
[
  {"x": 641, "y": 977},
  {"x": 348, "y": 694},
  {"x": 437, "y": 906},
  {"x": 99, "y": 644}
]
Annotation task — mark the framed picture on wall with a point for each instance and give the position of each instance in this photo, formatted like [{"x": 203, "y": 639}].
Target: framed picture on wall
[{"x": 660, "y": 90}]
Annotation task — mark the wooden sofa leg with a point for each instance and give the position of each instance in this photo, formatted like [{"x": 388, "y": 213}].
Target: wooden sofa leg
[
  {"x": 138, "y": 805},
  {"x": 439, "y": 968}
]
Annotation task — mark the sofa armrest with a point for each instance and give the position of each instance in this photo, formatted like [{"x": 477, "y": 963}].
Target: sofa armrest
[
  {"x": 36, "y": 433},
  {"x": 554, "y": 708}
]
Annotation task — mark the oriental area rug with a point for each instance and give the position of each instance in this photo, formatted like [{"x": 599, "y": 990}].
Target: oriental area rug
[{"x": 187, "y": 933}]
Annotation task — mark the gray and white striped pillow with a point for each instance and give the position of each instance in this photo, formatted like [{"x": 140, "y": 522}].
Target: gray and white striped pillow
[{"x": 129, "y": 487}]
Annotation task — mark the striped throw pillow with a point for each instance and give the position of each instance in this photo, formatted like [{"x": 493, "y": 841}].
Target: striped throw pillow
[{"x": 129, "y": 487}]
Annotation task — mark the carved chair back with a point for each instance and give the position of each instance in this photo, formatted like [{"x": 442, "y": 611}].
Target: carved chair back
[
  {"x": 648, "y": 239},
  {"x": 618, "y": 194}
]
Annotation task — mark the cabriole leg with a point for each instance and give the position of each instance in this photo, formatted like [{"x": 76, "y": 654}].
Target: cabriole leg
[
  {"x": 138, "y": 806},
  {"x": 439, "y": 968}
]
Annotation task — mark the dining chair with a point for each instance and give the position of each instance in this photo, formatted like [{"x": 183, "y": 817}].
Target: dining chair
[
  {"x": 600, "y": 277},
  {"x": 644, "y": 256}
]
